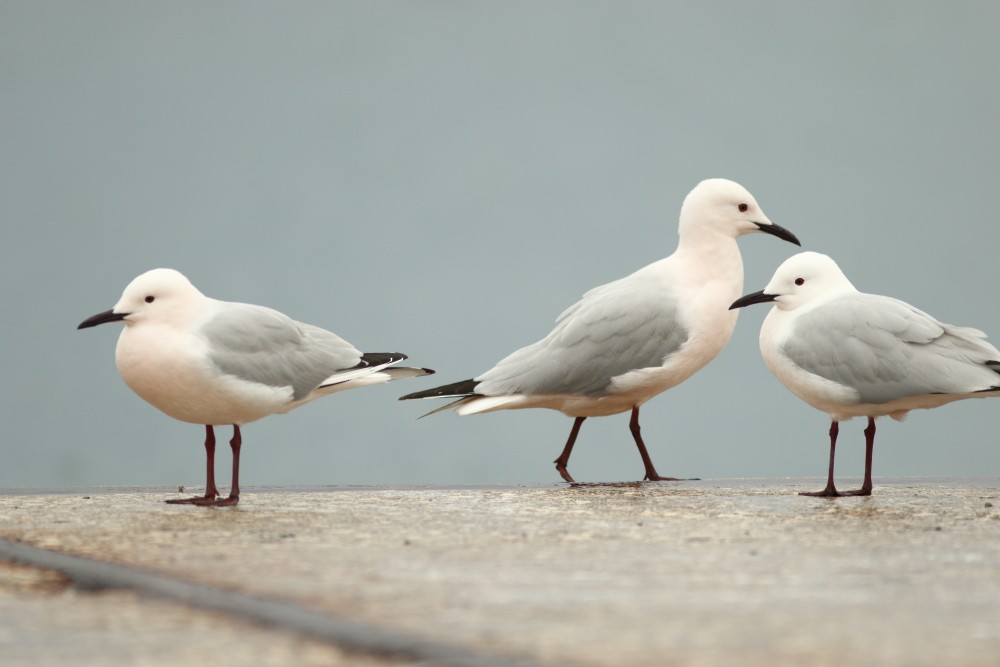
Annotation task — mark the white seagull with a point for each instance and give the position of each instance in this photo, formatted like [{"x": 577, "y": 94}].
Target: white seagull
[
  {"x": 629, "y": 340},
  {"x": 852, "y": 354},
  {"x": 213, "y": 362}
]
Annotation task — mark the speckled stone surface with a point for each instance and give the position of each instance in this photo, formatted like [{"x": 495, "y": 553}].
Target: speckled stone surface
[
  {"x": 43, "y": 622},
  {"x": 693, "y": 573}
]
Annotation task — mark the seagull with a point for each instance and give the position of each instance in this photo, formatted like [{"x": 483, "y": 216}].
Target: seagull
[
  {"x": 852, "y": 354},
  {"x": 213, "y": 362},
  {"x": 629, "y": 340}
]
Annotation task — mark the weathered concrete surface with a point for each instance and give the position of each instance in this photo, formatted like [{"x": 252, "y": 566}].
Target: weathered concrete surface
[
  {"x": 43, "y": 622},
  {"x": 695, "y": 573}
]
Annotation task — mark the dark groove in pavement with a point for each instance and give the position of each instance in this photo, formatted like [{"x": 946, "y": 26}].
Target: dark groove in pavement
[{"x": 94, "y": 575}]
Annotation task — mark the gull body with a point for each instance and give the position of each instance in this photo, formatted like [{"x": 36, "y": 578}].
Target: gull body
[
  {"x": 853, "y": 354},
  {"x": 631, "y": 339},
  {"x": 211, "y": 362}
]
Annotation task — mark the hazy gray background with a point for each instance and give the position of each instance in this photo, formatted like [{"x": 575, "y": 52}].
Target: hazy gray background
[{"x": 442, "y": 179}]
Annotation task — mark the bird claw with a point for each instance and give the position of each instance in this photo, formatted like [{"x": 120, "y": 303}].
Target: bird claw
[
  {"x": 658, "y": 478},
  {"x": 197, "y": 500},
  {"x": 832, "y": 492},
  {"x": 828, "y": 492},
  {"x": 205, "y": 501},
  {"x": 565, "y": 473}
]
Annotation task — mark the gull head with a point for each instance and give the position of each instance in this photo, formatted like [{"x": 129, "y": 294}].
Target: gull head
[
  {"x": 725, "y": 207},
  {"x": 160, "y": 295},
  {"x": 802, "y": 279}
]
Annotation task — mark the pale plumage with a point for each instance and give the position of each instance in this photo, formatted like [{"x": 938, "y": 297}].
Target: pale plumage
[
  {"x": 886, "y": 350},
  {"x": 213, "y": 362},
  {"x": 852, "y": 354},
  {"x": 628, "y": 340},
  {"x": 619, "y": 327}
]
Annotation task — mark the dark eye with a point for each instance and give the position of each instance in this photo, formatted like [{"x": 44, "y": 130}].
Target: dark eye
[
  {"x": 743, "y": 208},
  {"x": 150, "y": 299},
  {"x": 800, "y": 281}
]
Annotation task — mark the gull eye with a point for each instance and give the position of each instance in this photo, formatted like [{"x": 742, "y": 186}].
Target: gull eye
[
  {"x": 743, "y": 208},
  {"x": 150, "y": 299},
  {"x": 800, "y": 281}
]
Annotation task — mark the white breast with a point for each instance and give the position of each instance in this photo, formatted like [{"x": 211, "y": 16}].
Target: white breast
[
  {"x": 826, "y": 395},
  {"x": 171, "y": 370}
]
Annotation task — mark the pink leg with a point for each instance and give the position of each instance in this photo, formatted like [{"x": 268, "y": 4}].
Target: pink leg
[
  {"x": 234, "y": 492},
  {"x": 651, "y": 473},
  {"x": 210, "y": 489},
  {"x": 830, "y": 491},
  {"x": 563, "y": 459},
  {"x": 866, "y": 486}
]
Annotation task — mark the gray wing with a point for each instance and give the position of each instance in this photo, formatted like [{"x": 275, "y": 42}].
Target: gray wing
[
  {"x": 629, "y": 324},
  {"x": 887, "y": 350},
  {"x": 264, "y": 346}
]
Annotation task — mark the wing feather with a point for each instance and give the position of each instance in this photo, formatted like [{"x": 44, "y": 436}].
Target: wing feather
[
  {"x": 625, "y": 325},
  {"x": 261, "y": 345},
  {"x": 887, "y": 350}
]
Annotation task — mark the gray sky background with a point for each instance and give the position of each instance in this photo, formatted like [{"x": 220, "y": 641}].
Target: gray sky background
[{"x": 442, "y": 179}]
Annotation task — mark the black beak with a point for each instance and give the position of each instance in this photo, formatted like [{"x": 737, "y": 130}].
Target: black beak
[
  {"x": 102, "y": 318},
  {"x": 751, "y": 299},
  {"x": 780, "y": 232}
]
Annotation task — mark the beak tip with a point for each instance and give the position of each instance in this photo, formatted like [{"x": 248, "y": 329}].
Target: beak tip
[
  {"x": 750, "y": 299},
  {"x": 779, "y": 232}
]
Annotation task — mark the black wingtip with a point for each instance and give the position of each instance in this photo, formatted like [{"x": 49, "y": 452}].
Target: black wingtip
[
  {"x": 379, "y": 358},
  {"x": 455, "y": 389}
]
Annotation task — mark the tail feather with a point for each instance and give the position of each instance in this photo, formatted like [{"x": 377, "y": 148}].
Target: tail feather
[
  {"x": 373, "y": 363},
  {"x": 398, "y": 373},
  {"x": 469, "y": 402},
  {"x": 477, "y": 404},
  {"x": 448, "y": 406},
  {"x": 463, "y": 389}
]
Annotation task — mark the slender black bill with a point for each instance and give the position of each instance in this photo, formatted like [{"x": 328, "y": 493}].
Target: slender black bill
[
  {"x": 102, "y": 318},
  {"x": 750, "y": 299},
  {"x": 780, "y": 232}
]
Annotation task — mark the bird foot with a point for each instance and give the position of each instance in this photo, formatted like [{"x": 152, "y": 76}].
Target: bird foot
[
  {"x": 205, "y": 501},
  {"x": 658, "y": 478},
  {"x": 563, "y": 472},
  {"x": 828, "y": 492},
  {"x": 197, "y": 500},
  {"x": 832, "y": 492}
]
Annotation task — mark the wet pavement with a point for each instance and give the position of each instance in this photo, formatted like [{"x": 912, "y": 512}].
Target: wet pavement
[{"x": 691, "y": 573}]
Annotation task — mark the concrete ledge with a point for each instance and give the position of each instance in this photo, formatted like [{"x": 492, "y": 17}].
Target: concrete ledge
[{"x": 694, "y": 573}]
